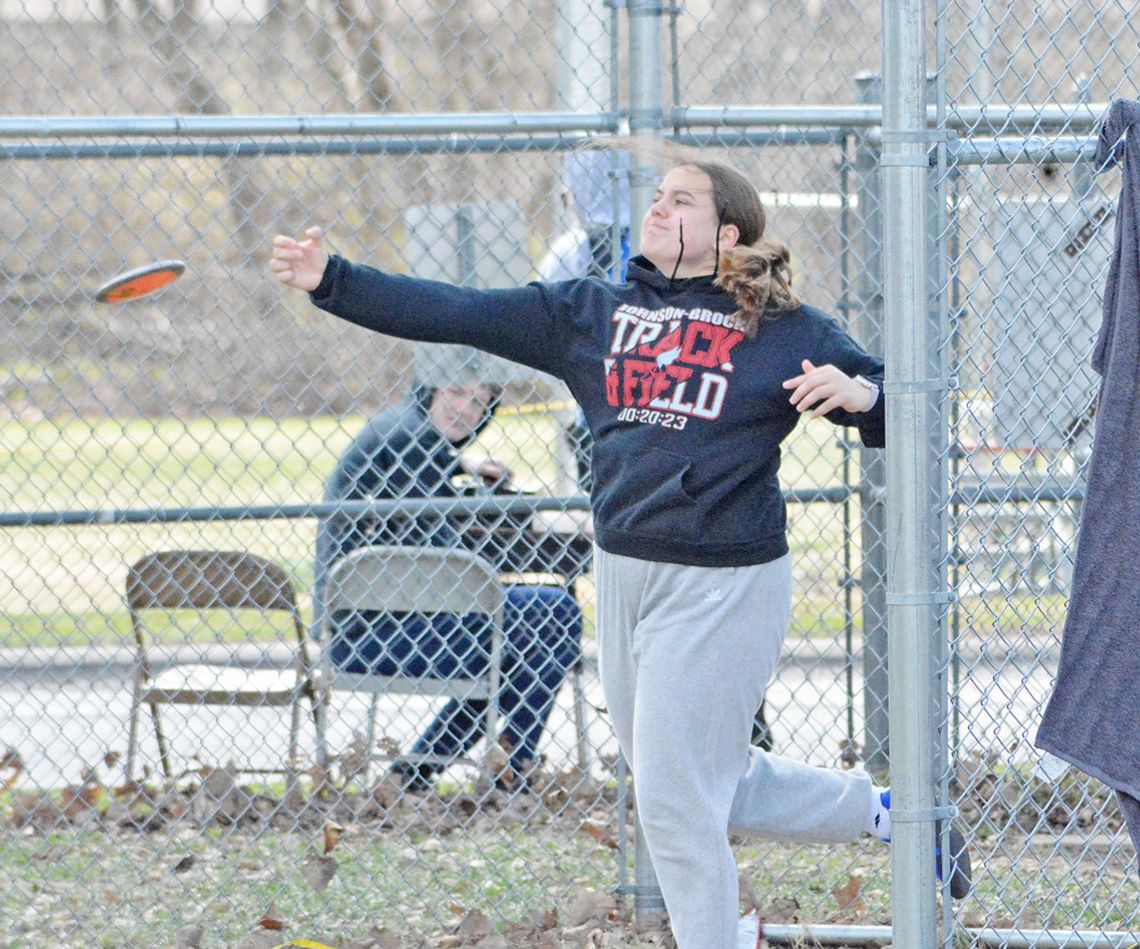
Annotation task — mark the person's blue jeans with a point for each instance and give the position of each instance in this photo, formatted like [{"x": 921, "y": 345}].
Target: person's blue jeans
[{"x": 542, "y": 627}]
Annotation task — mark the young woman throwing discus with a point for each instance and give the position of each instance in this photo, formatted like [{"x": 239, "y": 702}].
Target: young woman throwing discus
[{"x": 690, "y": 375}]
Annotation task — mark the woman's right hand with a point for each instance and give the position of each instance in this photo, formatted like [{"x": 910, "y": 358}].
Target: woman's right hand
[
  {"x": 491, "y": 472},
  {"x": 300, "y": 264}
]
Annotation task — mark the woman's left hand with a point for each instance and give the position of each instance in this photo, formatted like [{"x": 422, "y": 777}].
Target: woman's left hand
[{"x": 823, "y": 388}]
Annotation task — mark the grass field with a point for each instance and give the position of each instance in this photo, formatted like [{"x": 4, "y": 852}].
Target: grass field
[
  {"x": 62, "y": 585},
  {"x": 384, "y": 881},
  {"x": 99, "y": 885},
  {"x": 416, "y": 886}
]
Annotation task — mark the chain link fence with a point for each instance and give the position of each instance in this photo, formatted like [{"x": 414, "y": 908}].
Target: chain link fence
[
  {"x": 1028, "y": 237},
  {"x": 227, "y": 427}
]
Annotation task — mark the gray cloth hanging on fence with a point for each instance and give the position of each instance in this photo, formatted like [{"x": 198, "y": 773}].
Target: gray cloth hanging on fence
[
  {"x": 1092, "y": 717},
  {"x": 1131, "y": 808}
]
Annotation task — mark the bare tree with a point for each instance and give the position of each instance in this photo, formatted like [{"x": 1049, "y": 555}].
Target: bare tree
[
  {"x": 361, "y": 27},
  {"x": 174, "y": 39}
]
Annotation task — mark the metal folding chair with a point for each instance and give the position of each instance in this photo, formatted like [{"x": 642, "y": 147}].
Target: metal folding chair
[
  {"x": 210, "y": 583},
  {"x": 418, "y": 580}
]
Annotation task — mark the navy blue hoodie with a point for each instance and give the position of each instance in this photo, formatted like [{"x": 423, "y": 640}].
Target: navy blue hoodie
[{"x": 686, "y": 414}]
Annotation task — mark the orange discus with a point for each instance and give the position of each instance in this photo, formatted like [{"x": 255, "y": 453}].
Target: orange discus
[{"x": 140, "y": 282}]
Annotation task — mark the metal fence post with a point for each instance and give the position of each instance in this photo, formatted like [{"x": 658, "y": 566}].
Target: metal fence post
[
  {"x": 872, "y": 483},
  {"x": 646, "y": 115},
  {"x": 646, "y": 120},
  {"x": 912, "y": 588},
  {"x": 1084, "y": 174}
]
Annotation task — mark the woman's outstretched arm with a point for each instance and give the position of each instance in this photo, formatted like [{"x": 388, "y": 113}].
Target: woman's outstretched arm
[{"x": 519, "y": 324}]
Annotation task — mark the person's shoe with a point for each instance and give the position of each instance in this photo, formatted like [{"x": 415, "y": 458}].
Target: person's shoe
[
  {"x": 748, "y": 932},
  {"x": 413, "y": 778},
  {"x": 515, "y": 784},
  {"x": 961, "y": 872},
  {"x": 958, "y": 862}
]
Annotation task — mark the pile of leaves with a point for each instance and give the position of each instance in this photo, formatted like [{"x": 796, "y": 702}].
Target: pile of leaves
[
  {"x": 321, "y": 810},
  {"x": 592, "y": 919},
  {"x": 208, "y": 794}
]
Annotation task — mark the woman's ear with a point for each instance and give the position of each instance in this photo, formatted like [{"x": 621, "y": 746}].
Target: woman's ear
[{"x": 729, "y": 236}]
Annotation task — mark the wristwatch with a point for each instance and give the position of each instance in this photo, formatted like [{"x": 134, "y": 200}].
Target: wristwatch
[{"x": 870, "y": 387}]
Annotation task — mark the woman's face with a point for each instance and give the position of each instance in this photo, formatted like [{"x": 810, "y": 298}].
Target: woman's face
[
  {"x": 684, "y": 195},
  {"x": 457, "y": 411}
]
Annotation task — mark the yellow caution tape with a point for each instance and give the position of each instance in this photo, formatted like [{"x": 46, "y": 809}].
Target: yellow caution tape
[
  {"x": 532, "y": 408},
  {"x": 304, "y": 943}
]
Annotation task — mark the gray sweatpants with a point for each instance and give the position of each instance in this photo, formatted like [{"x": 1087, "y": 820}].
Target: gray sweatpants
[{"x": 685, "y": 655}]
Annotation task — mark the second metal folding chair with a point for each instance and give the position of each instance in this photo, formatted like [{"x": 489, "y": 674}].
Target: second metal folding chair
[{"x": 427, "y": 580}]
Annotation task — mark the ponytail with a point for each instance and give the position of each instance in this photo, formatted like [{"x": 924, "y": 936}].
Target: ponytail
[{"x": 760, "y": 278}]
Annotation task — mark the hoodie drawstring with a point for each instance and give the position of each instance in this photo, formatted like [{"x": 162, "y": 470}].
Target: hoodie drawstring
[{"x": 681, "y": 252}]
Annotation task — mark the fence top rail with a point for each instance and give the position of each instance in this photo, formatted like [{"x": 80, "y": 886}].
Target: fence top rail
[
  {"x": 994, "y": 151},
  {"x": 385, "y": 145},
  {"x": 1016, "y": 119},
  {"x": 729, "y": 116},
  {"x": 266, "y": 147},
  {"x": 348, "y": 125}
]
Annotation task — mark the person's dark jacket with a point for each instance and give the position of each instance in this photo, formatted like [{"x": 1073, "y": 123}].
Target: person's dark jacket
[
  {"x": 397, "y": 454},
  {"x": 687, "y": 416}
]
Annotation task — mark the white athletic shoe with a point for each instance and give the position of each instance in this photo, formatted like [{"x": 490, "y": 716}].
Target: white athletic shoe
[{"x": 748, "y": 932}]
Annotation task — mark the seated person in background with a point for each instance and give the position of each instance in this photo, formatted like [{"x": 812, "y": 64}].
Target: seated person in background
[{"x": 413, "y": 451}]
